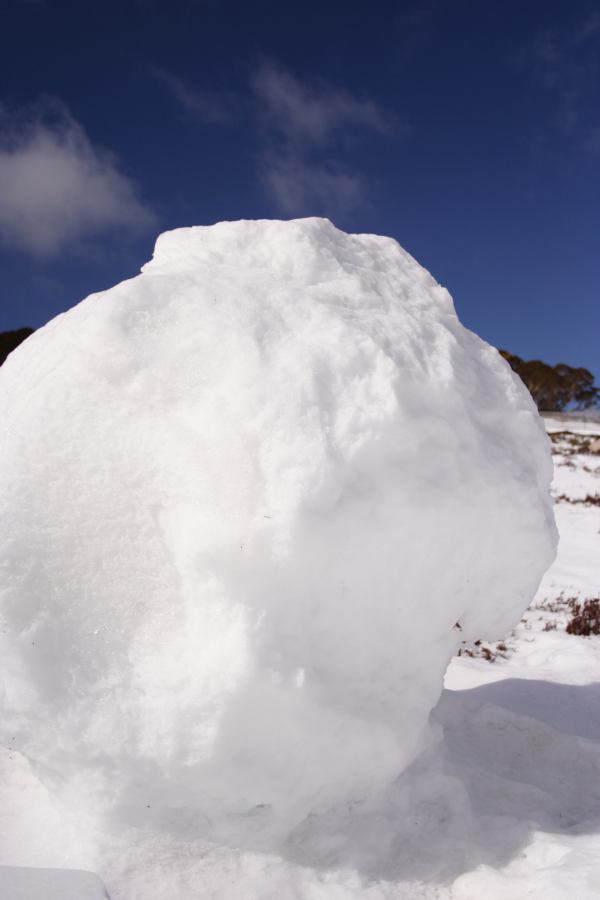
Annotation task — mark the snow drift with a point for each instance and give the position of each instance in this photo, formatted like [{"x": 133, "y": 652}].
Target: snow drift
[{"x": 252, "y": 500}]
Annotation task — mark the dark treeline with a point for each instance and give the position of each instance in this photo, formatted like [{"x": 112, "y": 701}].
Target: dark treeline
[
  {"x": 11, "y": 339},
  {"x": 555, "y": 388}
]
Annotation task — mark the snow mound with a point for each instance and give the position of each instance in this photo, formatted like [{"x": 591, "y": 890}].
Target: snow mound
[{"x": 252, "y": 501}]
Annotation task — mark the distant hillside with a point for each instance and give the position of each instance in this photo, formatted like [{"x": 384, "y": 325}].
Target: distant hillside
[{"x": 11, "y": 339}]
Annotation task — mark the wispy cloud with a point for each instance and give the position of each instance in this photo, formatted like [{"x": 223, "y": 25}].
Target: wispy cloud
[
  {"x": 414, "y": 28},
  {"x": 313, "y": 113},
  {"x": 302, "y": 126},
  {"x": 195, "y": 102},
  {"x": 565, "y": 62},
  {"x": 588, "y": 28},
  {"x": 299, "y": 187},
  {"x": 303, "y": 129},
  {"x": 56, "y": 188}
]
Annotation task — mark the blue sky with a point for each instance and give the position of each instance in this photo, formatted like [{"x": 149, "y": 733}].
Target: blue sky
[{"x": 469, "y": 131}]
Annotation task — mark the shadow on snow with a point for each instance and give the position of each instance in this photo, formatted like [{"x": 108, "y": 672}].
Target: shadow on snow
[{"x": 509, "y": 758}]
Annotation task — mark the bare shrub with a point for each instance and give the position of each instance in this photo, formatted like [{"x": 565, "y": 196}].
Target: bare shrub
[
  {"x": 589, "y": 500},
  {"x": 585, "y": 619}
]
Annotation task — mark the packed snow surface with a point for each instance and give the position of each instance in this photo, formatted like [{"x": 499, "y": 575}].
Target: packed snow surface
[
  {"x": 252, "y": 502},
  {"x": 49, "y": 884}
]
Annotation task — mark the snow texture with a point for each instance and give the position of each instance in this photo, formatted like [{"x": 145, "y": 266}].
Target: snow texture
[
  {"x": 252, "y": 502},
  {"x": 49, "y": 884}
]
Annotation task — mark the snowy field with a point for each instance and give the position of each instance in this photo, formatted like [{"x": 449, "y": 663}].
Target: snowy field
[
  {"x": 524, "y": 728},
  {"x": 510, "y": 807}
]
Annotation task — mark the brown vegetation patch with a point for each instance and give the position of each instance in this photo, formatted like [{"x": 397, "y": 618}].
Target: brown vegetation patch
[{"x": 585, "y": 619}]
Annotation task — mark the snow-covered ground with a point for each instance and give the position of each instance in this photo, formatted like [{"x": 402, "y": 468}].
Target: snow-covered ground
[{"x": 524, "y": 728}]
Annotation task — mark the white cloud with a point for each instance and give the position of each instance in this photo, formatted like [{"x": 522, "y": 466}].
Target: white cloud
[
  {"x": 303, "y": 126},
  {"x": 315, "y": 114},
  {"x": 56, "y": 188},
  {"x": 206, "y": 106},
  {"x": 299, "y": 187}
]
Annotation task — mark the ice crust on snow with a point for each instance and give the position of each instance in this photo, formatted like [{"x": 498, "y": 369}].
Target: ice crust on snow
[{"x": 246, "y": 498}]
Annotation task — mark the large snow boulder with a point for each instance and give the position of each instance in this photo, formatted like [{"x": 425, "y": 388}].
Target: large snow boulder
[{"x": 251, "y": 502}]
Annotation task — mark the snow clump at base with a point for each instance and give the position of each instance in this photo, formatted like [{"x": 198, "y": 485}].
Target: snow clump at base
[{"x": 252, "y": 501}]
